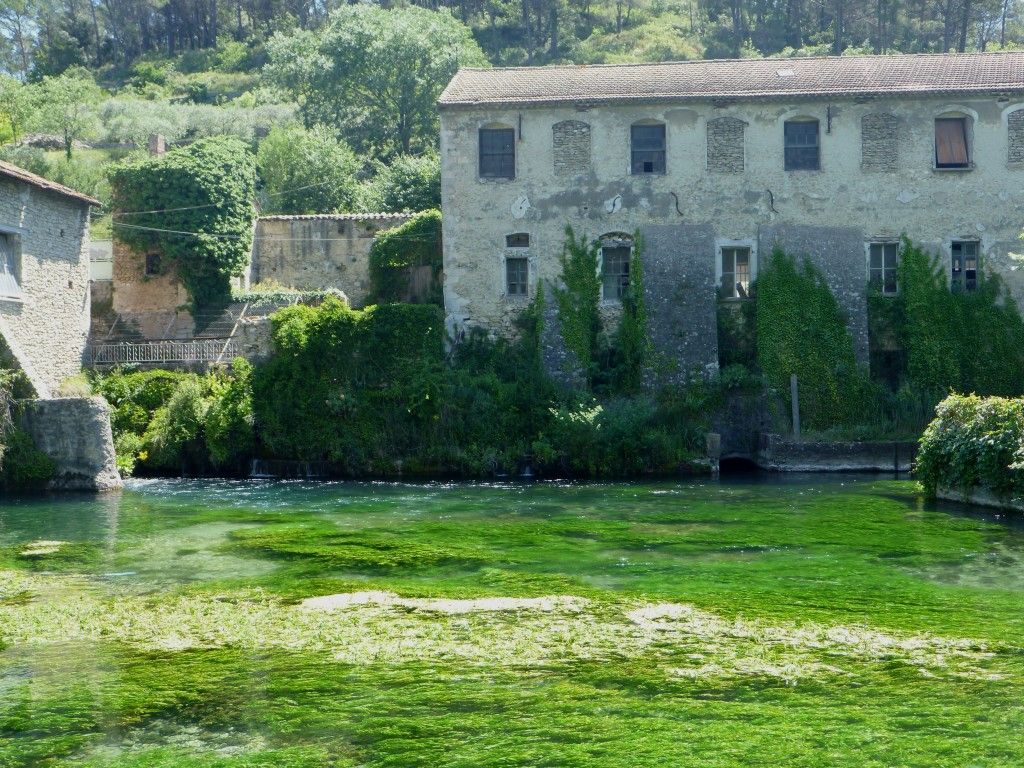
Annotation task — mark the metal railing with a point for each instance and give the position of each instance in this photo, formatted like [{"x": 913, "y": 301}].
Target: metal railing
[{"x": 164, "y": 351}]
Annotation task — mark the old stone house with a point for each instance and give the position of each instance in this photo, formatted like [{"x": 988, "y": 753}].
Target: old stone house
[
  {"x": 717, "y": 162},
  {"x": 44, "y": 275}
]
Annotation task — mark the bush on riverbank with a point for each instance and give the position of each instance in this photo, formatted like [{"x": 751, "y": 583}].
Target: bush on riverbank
[{"x": 974, "y": 443}]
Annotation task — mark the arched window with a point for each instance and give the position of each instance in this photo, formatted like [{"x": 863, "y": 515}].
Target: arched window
[
  {"x": 953, "y": 141},
  {"x": 497, "y": 152},
  {"x": 647, "y": 146},
  {"x": 616, "y": 252}
]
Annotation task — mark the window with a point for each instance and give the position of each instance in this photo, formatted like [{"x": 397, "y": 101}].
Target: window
[
  {"x": 518, "y": 240},
  {"x": 152, "y": 264},
  {"x": 497, "y": 153},
  {"x": 517, "y": 273},
  {"x": 648, "y": 148},
  {"x": 965, "y": 265},
  {"x": 951, "y": 143},
  {"x": 802, "y": 151},
  {"x": 735, "y": 273},
  {"x": 10, "y": 285},
  {"x": 882, "y": 260},
  {"x": 615, "y": 270}
]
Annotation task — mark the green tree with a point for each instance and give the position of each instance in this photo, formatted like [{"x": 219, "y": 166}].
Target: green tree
[
  {"x": 307, "y": 171},
  {"x": 408, "y": 183},
  {"x": 375, "y": 74},
  {"x": 15, "y": 106},
  {"x": 68, "y": 105},
  {"x": 194, "y": 205}
]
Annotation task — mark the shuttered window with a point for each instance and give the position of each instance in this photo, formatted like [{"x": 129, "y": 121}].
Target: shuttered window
[
  {"x": 497, "y": 153},
  {"x": 964, "y": 275},
  {"x": 615, "y": 271},
  {"x": 951, "y": 143},
  {"x": 10, "y": 284},
  {"x": 802, "y": 150},
  {"x": 883, "y": 258},
  {"x": 648, "y": 148},
  {"x": 735, "y": 273}
]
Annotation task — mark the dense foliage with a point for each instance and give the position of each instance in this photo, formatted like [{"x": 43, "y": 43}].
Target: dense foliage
[
  {"x": 964, "y": 341},
  {"x": 307, "y": 171},
  {"x": 375, "y": 74},
  {"x": 396, "y": 252},
  {"x": 974, "y": 443},
  {"x": 577, "y": 297},
  {"x": 194, "y": 206},
  {"x": 801, "y": 330}
]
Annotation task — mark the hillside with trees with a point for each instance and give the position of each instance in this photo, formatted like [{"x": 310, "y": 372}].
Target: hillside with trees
[{"x": 336, "y": 102}]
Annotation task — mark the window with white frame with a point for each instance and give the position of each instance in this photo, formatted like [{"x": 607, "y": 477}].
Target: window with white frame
[
  {"x": 883, "y": 259},
  {"x": 10, "y": 267},
  {"x": 615, "y": 270},
  {"x": 964, "y": 275},
  {"x": 517, "y": 276},
  {"x": 737, "y": 271}
]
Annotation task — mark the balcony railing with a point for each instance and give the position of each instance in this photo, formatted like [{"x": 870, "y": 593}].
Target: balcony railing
[{"x": 164, "y": 351}]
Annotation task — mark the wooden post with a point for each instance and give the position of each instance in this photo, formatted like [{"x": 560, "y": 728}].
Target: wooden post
[{"x": 794, "y": 397}]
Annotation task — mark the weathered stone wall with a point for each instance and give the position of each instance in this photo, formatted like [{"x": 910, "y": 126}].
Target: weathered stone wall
[
  {"x": 780, "y": 454},
  {"x": 840, "y": 203},
  {"x": 156, "y": 305},
  {"x": 75, "y": 433},
  {"x": 725, "y": 145},
  {"x": 319, "y": 252},
  {"x": 1015, "y": 130},
  {"x": 879, "y": 142},
  {"x": 46, "y": 327}
]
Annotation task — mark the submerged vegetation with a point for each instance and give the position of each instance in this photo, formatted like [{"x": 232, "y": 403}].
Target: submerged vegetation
[{"x": 223, "y": 625}]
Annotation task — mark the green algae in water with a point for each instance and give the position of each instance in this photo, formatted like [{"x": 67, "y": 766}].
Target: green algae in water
[{"x": 809, "y": 622}]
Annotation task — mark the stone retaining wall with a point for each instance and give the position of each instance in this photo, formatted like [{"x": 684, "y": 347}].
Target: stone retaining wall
[{"x": 779, "y": 454}]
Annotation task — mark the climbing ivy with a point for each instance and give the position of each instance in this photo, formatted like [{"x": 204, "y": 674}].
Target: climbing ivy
[
  {"x": 193, "y": 206},
  {"x": 416, "y": 243},
  {"x": 801, "y": 330},
  {"x": 633, "y": 340},
  {"x": 578, "y": 297}
]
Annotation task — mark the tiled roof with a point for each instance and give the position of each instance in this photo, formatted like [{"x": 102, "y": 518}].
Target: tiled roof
[
  {"x": 740, "y": 79},
  {"x": 20, "y": 174},
  {"x": 341, "y": 217}
]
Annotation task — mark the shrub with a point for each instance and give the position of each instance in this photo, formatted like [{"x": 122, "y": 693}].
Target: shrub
[
  {"x": 24, "y": 467},
  {"x": 974, "y": 442},
  {"x": 173, "y": 439},
  {"x": 577, "y": 299},
  {"x": 408, "y": 183},
  {"x": 307, "y": 171},
  {"x": 229, "y": 420}
]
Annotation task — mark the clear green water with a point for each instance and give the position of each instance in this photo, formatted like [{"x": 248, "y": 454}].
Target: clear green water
[{"x": 757, "y": 622}]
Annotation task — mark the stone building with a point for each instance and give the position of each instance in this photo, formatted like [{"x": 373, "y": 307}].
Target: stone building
[
  {"x": 715, "y": 163},
  {"x": 44, "y": 275},
  {"x": 319, "y": 252}
]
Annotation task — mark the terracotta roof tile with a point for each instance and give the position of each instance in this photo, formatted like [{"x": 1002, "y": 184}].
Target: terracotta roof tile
[
  {"x": 740, "y": 79},
  {"x": 20, "y": 174},
  {"x": 341, "y": 217}
]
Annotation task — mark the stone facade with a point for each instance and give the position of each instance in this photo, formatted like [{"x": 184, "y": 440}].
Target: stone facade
[
  {"x": 877, "y": 180},
  {"x": 879, "y": 142},
  {"x": 570, "y": 142},
  {"x": 44, "y": 320},
  {"x": 155, "y": 305},
  {"x": 75, "y": 433},
  {"x": 319, "y": 252},
  {"x": 725, "y": 145},
  {"x": 1015, "y": 131}
]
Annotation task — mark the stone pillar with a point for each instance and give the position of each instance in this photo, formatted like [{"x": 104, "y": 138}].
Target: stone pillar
[
  {"x": 74, "y": 432},
  {"x": 157, "y": 144}
]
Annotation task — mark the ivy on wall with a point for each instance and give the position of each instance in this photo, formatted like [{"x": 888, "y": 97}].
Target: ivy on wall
[
  {"x": 193, "y": 206},
  {"x": 578, "y": 297},
  {"x": 416, "y": 243},
  {"x": 801, "y": 330}
]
